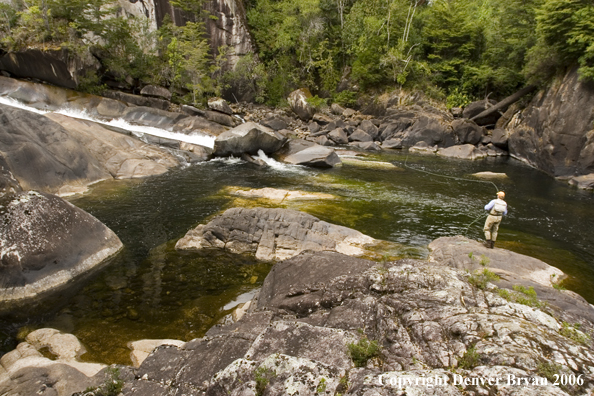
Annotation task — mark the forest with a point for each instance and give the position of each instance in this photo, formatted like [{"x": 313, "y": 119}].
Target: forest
[{"x": 452, "y": 50}]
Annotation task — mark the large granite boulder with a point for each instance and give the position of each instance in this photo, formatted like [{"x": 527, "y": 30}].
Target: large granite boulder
[
  {"x": 59, "y": 154},
  {"x": 554, "y": 133},
  {"x": 273, "y": 234},
  {"x": 58, "y": 67},
  {"x": 248, "y": 138},
  {"x": 298, "y": 102},
  {"x": 318, "y": 313},
  {"x": 302, "y": 152},
  {"x": 47, "y": 242}
]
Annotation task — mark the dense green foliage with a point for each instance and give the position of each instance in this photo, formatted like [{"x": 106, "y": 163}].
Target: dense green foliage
[
  {"x": 468, "y": 49},
  {"x": 456, "y": 49}
]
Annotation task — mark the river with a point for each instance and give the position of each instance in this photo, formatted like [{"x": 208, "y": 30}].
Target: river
[{"x": 152, "y": 291}]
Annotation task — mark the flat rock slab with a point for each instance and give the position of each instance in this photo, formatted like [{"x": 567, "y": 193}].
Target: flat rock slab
[
  {"x": 47, "y": 242},
  {"x": 273, "y": 234},
  {"x": 369, "y": 164},
  {"x": 280, "y": 195},
  {"x": 514, "y": 269},
  {"x": 490, "y": 175}
]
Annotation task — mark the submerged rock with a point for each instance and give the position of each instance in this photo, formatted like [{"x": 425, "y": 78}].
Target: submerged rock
[
  {"x": 25, "y": 371},
  {"x": 273, "y": 234},
  {"x": 280, "y": 195},
  {"x": 47, "y": 242},
  {"x": 490, "y": 175}
]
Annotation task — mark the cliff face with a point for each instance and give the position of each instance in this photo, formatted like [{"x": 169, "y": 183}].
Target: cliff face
[
  {"x": 226, "y": 25},
  {"x": 555, "y": 132},
  {"x": 229, "y": 28}
]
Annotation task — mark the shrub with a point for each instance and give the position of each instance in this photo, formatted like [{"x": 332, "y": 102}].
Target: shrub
[
  {"x": 480, "y": 279},
  {"x": 362, "y": 351},
  {"x": 470, "y": 359}
]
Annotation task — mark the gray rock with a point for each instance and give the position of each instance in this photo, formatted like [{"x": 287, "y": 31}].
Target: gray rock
[
  {"x": 465, "y": 151},
  {"x": 273, "y": 234},
  {"x": 499, "y": 138},
  {"x": 554, "y": 133},
  {"x": 324, "y": 141},
  {"x": 389, "y": 131},
  {"x": 193, "y": 111},
  {"x": 220, "y": 105},
  {"x": 248, "y": 138},
  {"x": 368, "y": 127},
  {"x": 360, "y": 136},
  {"x": 219, "y": 118},
  {"x": 155, "y": 91},
  {"x": 338, "y": 136},
  {"x": 314, "y": 127},
  {"x": 302, "y": 152},
  {"x": 585, "y": 182},
  {"x": 138, "y": 100},
  {"x": 467, "y": 131},
  {"x": 59, "y": 67},
  {"x": 369, "y": 146},
  {"x": 64, "y": 154},
  {"x": 34, "y": 260},
  {"x": 275, "y": 123},
  {"x": 392, "y": 144},
  {"x": 298, "y": 102},
  {"x": 322, "y": 119},
  {"x": 337, "y": 109}
]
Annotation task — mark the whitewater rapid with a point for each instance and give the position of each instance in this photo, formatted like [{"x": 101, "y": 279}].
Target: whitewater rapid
[{"x": 196, "y": 138}]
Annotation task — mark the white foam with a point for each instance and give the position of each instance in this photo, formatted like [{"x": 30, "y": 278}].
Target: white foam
[
  {"x": 272, "y": 163},
  {"x": 197, "y": 138}
]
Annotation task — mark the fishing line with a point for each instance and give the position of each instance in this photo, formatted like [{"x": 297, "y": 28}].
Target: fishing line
[
  {"x": 455, "y": 178},
  {"x": 450, "y": 177}
]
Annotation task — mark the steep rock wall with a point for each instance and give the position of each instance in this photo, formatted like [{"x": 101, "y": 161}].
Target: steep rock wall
[{"x": 555, "y": 133}]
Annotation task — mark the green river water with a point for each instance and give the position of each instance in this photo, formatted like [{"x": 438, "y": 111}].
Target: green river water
[{"x": 152, "y": 291}]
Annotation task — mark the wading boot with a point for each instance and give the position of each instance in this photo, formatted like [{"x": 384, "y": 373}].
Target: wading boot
[
  {"x": 488, "y": 243},
  {"x": 492, "y": 244}
]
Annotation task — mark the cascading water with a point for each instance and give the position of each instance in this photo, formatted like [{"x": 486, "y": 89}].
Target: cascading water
[{"x": 196, "y": 138}]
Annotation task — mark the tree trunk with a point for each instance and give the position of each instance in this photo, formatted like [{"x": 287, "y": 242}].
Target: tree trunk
[{"x": 505, "y": 102}]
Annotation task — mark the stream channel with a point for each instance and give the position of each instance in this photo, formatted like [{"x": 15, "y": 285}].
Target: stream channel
[{"x": 152, "y": 291}]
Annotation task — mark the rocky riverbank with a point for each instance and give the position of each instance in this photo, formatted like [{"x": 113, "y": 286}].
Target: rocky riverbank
[{"x": 328, "y": 323}]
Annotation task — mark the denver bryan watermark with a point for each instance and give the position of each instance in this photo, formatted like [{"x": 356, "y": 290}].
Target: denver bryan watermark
[{"x": 459, "y": 380}]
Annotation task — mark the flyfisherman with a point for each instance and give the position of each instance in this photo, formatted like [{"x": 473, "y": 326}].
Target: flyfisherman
[{"x": 497, "y": 208}]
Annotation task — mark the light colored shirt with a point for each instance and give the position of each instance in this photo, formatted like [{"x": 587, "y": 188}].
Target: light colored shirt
[{"x": 491, "y": 204}]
